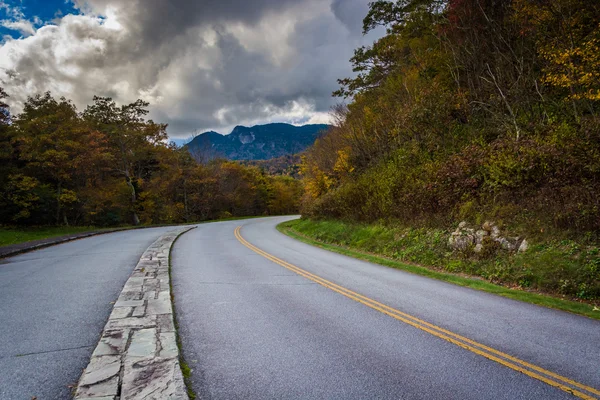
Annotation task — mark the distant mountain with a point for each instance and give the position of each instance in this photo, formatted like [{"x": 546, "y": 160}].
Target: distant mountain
[{"x": 260, "y": 142}]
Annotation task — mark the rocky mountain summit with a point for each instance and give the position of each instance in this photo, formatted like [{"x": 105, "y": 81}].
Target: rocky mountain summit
[{"x": 260, "y": 142}]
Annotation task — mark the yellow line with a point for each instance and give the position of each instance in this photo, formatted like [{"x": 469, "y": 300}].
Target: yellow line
[{"x": 437, "y": 331}]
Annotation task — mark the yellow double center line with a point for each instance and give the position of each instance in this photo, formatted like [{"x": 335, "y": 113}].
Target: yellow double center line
[{"x": 568, "y": 385}]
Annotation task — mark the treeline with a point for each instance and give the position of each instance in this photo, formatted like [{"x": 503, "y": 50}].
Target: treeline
[
  {"x": 468, "y": 109},
  {"x": 288, "y": 165},
  {"x": 108, "y": 165}
]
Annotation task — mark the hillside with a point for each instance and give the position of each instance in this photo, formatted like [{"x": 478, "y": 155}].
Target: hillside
[
  {"x": 260, "y": 142},
  {"x": 467, "y": 119}
]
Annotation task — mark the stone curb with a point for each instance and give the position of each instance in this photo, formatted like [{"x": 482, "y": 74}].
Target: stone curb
[{"x": 137, "y": 356}]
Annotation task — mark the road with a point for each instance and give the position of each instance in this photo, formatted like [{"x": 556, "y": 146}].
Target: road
[
  {"x": 54, "y": 303},
  {"x": 266, "y": 317}
]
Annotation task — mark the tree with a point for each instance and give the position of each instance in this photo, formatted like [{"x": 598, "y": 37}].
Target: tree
[
  {"x": 48, "y": 134},
  {"x": 4, "y": 109},
  {"x": 404, "y": 20},
  {"x": 567, "y": 36},
  {"x": 132, "y": 139}
]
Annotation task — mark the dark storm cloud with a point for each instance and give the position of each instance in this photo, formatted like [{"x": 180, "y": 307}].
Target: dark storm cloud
[
  {"x": 159, "y": 20},
  {"x": 201, "y": 64}
]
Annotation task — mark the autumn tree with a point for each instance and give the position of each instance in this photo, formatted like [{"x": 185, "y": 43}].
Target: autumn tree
[
  {"x": 567, "y": 38},
  {"x": 15, "y": 198},
  {"x": 133, "y": 141},
  {"x": 48, "y": 134}
]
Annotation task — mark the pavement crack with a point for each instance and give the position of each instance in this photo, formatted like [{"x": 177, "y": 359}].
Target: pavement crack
[
  {"x": 257, "y": 283},
  {"x": 51, "y": 351}
]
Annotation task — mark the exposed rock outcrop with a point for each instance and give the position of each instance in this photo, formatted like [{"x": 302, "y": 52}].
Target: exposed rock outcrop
[{"x": 487, "y": 238}]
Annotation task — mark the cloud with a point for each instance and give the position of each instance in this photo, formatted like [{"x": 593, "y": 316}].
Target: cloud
[
  {"x": 16, "y": 20},
  {"x": 202, "y": 65},
  {"x": 23, "y": 26}
]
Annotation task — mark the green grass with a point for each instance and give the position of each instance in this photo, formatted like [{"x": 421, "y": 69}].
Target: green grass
[
  {"x": 383, "y": 245},
  {"x": 14, "y": 235},
  {"x": 10, "y": 236}
]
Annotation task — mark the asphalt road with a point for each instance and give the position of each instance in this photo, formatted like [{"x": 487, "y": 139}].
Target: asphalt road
[
  {"x": 54, "y": 303},
  {"x": 254, "y": 329},
  {"x": 264, "y": 316}
]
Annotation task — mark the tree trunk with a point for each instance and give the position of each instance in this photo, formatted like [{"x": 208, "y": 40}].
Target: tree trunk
[
  {"x": 58, "y": 192},
  {"x": 134, "y": 216},
  {"x": 185, "y": 202}
]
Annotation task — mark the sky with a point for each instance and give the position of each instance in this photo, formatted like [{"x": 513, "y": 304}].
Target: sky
[{"x": 202, "y": 65}]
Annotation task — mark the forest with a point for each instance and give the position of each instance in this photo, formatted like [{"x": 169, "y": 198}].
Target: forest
[
  {"x": 109, "y": 166},
  {"x": 468, "y": 110}
]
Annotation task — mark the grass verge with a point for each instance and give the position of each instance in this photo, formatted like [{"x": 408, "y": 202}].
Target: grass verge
[
  {"x": 186, "y": 371},
  {"x": 10, "y": 236},
  {"x": 16, "y": 235},
  {"x": 290, "y": 228}
]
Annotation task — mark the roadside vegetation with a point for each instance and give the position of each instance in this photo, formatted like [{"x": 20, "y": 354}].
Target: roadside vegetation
[
  {"x": 469, "y": 110},
  {"x": 14, "y": 235},
  {"x": 562, "y": 268},
  {"x": 109, "y": 166}
]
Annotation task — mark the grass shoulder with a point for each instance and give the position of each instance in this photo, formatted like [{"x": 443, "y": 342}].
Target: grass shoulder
[
  {"x": 423, "y": 252},
  {"x": 10, "y": 235},
  {"x": 15, "y": 235}
]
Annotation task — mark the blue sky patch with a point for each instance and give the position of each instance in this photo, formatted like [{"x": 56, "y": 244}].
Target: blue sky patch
[{"x": 38, "y": 12}]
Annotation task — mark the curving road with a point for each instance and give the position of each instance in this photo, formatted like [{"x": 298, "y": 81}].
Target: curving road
[
  {"x": 263, "y": 316},
  {"x": 266, "y": 317}
]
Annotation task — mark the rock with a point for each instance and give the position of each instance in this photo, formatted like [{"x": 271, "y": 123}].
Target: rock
[
  {"x": 469, "y": 239},
  {"x": 153, "y": 379},
  {"x": 523, "y": 246},
  {"x": 480, "y": 234},
  {"x": 143, "y": 343},
  {"x": 461, "y": 241},
  {"x": 509, "y": 244},
  {"x": 495, "y": 232},
  {"x": 487, "y": 239}
]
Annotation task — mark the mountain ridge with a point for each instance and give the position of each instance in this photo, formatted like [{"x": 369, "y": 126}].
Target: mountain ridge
[{"x": 258, "y": 142}]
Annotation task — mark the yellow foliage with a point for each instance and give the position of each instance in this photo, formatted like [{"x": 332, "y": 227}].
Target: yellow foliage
[
  {"x": 342, "y": 164},
  {"x": 316, "y": 181}
]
